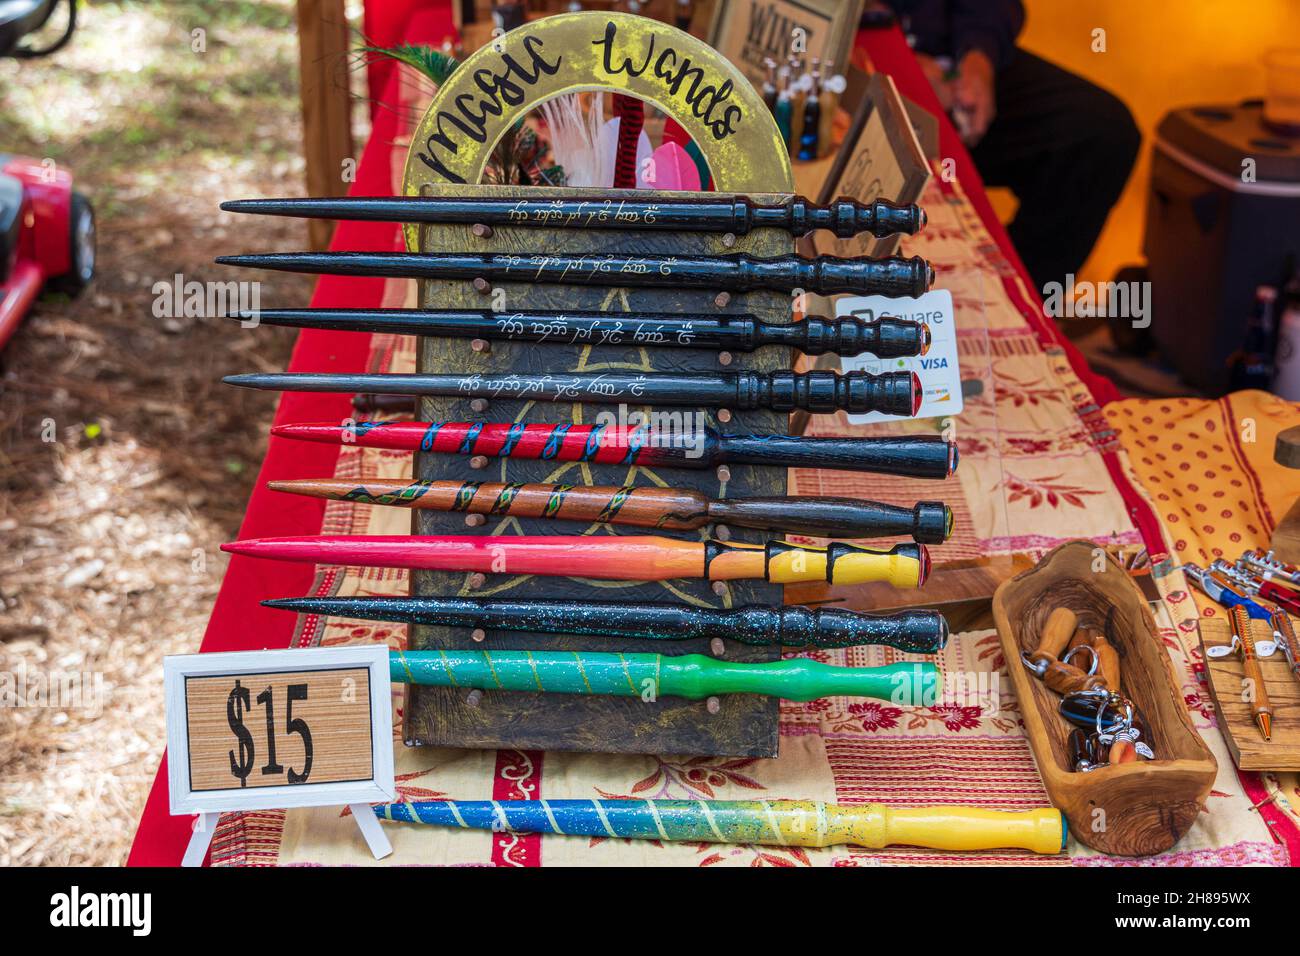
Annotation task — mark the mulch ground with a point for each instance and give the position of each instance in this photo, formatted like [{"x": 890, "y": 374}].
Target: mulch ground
[{"x": 124, "y": 461}]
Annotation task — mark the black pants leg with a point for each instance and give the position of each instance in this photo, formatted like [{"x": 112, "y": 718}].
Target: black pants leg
[{"x": 1065, "y": 148}]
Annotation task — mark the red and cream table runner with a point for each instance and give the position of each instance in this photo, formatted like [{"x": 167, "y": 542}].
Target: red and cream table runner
[{"x": 1039, "y": 462}]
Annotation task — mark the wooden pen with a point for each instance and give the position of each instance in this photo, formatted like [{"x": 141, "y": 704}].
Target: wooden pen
[
  {"x": 1253, "y": 678},
  {"x": 1282, "y": 629}
]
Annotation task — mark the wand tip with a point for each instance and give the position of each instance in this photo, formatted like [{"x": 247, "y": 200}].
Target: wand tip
[
  {"x": 267, "y": 207},
  {"x": 286, "y": 604},
  {"x": 329, "y": 488},
  {"x": 280, "y": 261},
  {"x": 316, "y": 549},
  {"x": 335, "y": 607},
  {"x": 313, "y": 431},
  {"x": 302, "y": 548}
]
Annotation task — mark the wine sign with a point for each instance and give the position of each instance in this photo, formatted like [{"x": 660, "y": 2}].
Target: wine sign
[
  {"x": 259, "y": 730},
  {"x": 751, "y": 32}
]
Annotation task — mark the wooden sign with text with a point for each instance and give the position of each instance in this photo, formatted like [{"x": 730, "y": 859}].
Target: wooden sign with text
[
  {"x": 651, "y": 61},
  {"x": 257, "y": 730},
  {"x": 880, "y": 158},
  {"x": 291, "y": 728},
  {"x": 750, "y": 32}
]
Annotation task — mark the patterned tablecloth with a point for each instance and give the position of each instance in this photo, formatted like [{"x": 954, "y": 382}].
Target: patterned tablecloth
[
  {"x": 1207, "y": 469},
  {"x": 1039, "y": 461}
]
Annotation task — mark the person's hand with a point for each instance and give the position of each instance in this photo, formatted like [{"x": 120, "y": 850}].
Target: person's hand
[
  {"x": 935, "y": 74},
  {"x": 973, "y": 94}
]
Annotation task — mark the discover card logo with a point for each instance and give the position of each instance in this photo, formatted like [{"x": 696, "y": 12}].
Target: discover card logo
[{"x": 74, "y": 909}]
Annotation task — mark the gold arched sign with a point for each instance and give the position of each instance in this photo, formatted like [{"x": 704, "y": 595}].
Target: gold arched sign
[{"x": 616, "y": 52}]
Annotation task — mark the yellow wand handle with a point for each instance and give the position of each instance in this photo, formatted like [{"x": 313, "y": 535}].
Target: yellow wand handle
[
  {"x": 904, "y": 565},
  {"x": 876, "y": 825}
]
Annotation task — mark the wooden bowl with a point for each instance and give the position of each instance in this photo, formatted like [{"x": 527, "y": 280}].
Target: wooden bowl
[{"x": 1132, "y": 809}]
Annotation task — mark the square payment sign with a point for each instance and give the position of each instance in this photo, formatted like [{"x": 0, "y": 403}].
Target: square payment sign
[{"x": 937, "y": 368}]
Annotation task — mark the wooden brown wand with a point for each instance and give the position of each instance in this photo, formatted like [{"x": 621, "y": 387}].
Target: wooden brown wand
[{"x": 676, "y": 509}]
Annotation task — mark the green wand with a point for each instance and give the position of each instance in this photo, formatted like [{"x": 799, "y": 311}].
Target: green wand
[{"x": 650, "y": 676}]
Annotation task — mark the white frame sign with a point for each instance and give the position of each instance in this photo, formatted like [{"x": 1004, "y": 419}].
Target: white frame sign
[{"x": 378, "y": 785}]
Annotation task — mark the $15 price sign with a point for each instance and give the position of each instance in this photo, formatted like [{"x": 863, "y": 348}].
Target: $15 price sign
[{"x": 256, "y": 730}]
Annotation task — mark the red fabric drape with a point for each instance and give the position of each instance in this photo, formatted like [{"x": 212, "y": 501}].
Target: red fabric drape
[{"x": 239, "y": 622}]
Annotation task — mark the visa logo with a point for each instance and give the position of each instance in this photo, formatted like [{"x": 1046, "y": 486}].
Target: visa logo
[{"x": 930, "y": 364}]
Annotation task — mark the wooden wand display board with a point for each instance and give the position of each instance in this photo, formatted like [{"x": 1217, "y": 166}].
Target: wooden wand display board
[{"x": 737, "y": 137}]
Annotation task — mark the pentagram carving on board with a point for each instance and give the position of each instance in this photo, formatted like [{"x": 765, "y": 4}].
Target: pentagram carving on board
[{"x": 745, "y": 724}]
